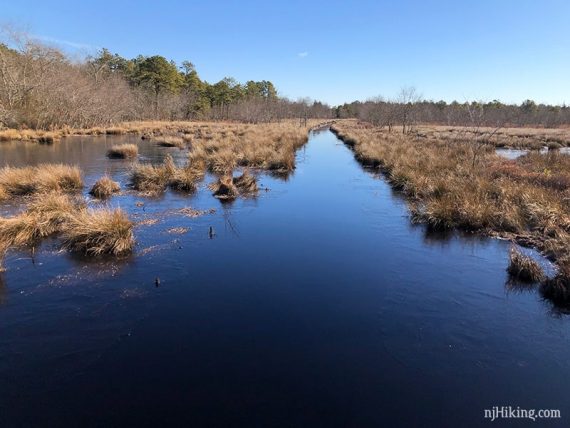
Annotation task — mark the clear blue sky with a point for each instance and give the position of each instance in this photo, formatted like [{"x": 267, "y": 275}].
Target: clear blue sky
[{"x": 334, "y": 51}]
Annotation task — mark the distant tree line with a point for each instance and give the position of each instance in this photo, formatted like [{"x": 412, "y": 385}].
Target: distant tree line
[
  {"x": 409, "y": 109},
  {"x": 41, "y": 87}
]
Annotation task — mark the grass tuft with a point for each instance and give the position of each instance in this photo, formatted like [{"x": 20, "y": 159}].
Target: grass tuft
[
  {"x": 123, "y": 151},
  {"x": 523, "y": 267},
  {"x": 39, "y": 179},
  {"x": 246, "y": 184},
  {"x": 170, "y": 141},
  {"x": 104, "y": 188},
  {"x": 224, "y": 188},
  {"x": 97, "y": 232}
]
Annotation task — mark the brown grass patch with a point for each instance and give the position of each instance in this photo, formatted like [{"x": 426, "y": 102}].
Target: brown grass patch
[
  {"x": 170, "y": 141},
  {"x": 192, "y": 213},
  {"x": 39, "y": 179},
  {"x": 123, "y": 151},
  {"x": 96, "y": 232},
  {"x": 44, "y": 216},
  {"x": 523, "y": 267},
  {"x": 454, "y": 183},
  {"x": 178, "y": 230},
  {"x": 246, "y": 184},
  {"x": 224, "y": 188},
  {"x": 104, "y": 188}
]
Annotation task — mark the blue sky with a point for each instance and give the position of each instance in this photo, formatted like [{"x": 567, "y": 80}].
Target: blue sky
[{"x": 334, "y": 51}]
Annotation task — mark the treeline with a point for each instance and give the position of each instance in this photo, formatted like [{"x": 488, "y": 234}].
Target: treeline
[
  {"x": 409, "y": 109},
  {"x": 42, "y": 88}
]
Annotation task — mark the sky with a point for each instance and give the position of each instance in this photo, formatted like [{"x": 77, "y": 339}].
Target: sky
[{"x": 332, "y": 51}]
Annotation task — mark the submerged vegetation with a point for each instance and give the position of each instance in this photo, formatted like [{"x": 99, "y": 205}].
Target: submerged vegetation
[{"x": 459, "y": 183}]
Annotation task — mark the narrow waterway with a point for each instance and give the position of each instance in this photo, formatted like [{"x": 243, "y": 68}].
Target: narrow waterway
[{"x": 316, "y": 304}]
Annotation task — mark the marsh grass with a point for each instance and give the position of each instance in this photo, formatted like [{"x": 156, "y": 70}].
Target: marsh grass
[
  {"x": 524, "y": 268},
  {"x": 123, "y": 151},
  {"x": 224, "y": 188},
  {"x": 44, "y": 216},
  {"x": 459, "y": 184},
  {"x": 516, "y": 138},
  {"x": 170, "y": 141},
  {"x": 557, "y": 289},
  {"x": 97, "y": 232},
  {"x": 104, "y": 188},
  {"x": 246, "y": 184},
  {"x": 153, "y": 178},
  {"x": 39, "y": 179}
]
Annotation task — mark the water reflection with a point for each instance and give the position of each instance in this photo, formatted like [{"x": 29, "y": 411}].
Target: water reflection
[{"x": 319, "y": 291}]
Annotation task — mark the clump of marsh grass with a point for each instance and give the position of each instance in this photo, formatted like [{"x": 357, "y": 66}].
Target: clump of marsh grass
[
  {"x": 185, "y": 179},
  {"x": 246, "y": 183},
  {"x": 523, "y": 267},
  {"x": 123, "y": 151},
  {"x": 153, "y": 178},
  {"x": 97, "y": 232},
  {"x": 224, "y": 188},
  {"x": 170, "y": 141},
  {"x": 104, "y": 188},
  {"x": 44, "y": 216},
  {"x": 558, "y": 288},
  {"x": 48, "y": 138},
  {"x": 39, "y": 179}
]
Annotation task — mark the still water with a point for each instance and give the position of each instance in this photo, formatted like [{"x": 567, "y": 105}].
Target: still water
[{"x": 315, "y": 304}]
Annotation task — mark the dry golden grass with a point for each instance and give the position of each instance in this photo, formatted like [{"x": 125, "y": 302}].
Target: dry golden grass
[
  {"x": 228, "y": 187},
  {"x": 152, "y": 178},
  {"x": 170, "y": 141},
  {"x": 93, "y": 232},
  {"x": 104, "y": 188},
  {"x": 123, "y": 151},
  {"x": 224, "y": 188},
  {"x": 39, "y": 179},
  {"x": 246, "y": 184},
  {"x": 522, "y": 138},
  {"x": 523, "y": 267},
  {"x": 96, "y": 232},
  {"x": 458, "y": 184},
  {"x": 45, "y": 216}
]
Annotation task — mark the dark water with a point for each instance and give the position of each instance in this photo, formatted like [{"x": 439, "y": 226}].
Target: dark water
[{"x": 316, "y": 304}]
